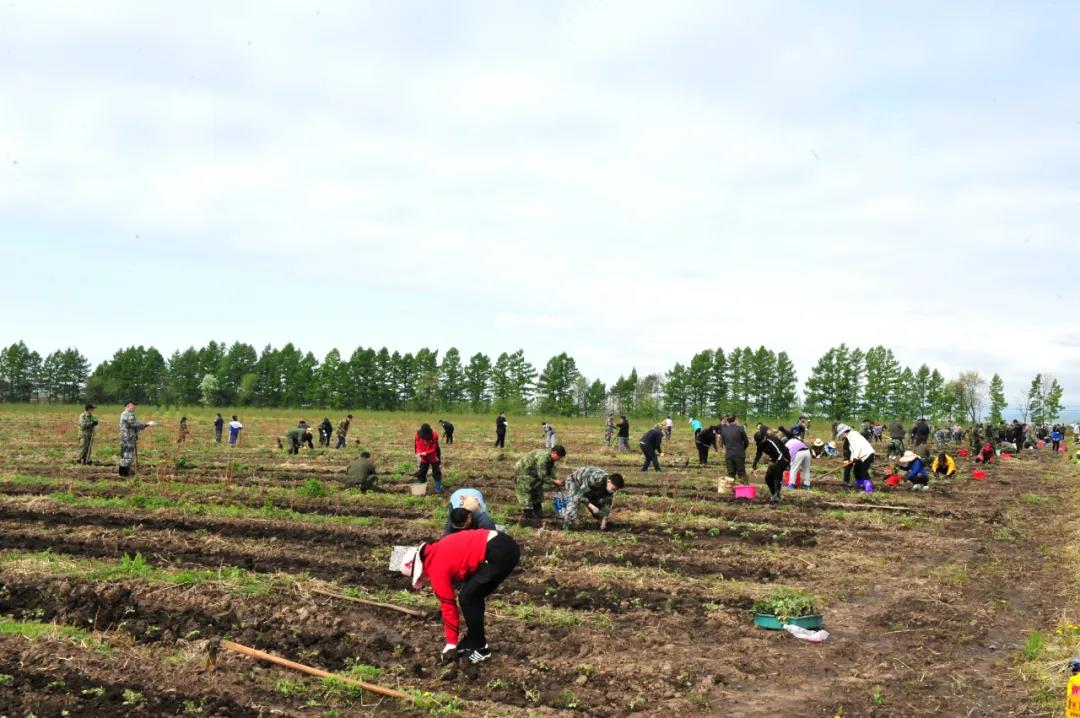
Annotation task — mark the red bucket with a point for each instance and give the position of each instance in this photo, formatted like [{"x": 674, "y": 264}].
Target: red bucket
[
  {"x": 963, "y": 452},
  {"x": 1040, "y": 444},
  {"x": 787, "y": 478},
  {"x": 978, "y": 475},
  {"x": 1006, "y": 456},
  {"x": 893, "y": 480}
]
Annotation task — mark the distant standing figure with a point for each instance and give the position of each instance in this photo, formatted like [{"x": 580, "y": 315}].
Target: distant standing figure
[
  {"x": 549, "y": 435},
  {"x": 650, "y": 445},
  {"x": 87, "y": 423},
  {"x": 326, "y": 430},
  {"x": 669, "y": 426},
  {"x": 609, "y": 429},
  {"x": 234, "y": 431},
  {"x": 343, "y": 430},
  {"x": 447, "y": 431},
  {"x": 500, "y": 430},
  {"x": 219, "y": 426},
  {"x": 624, "y": 434},
  {"x": 130, "y": 428},
  {"x": 184, "y": 431},
  {"x": 426, "y": 444},
  {"x": 695, "y": 426}
]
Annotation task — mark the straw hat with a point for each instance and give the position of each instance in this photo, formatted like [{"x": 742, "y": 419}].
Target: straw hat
[
  {"x": 819, "y": 442},
  {"x": 908, "y": 457}
]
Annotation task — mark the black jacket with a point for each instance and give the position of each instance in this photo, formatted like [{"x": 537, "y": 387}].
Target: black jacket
[
  {"x": 707, "y": 436},
  {"x": 652, "y": 439},
  {"x": 500, "y": 425},
  {"x": 624, "y": 429},
  {"x": 776, "y": 452},
  {"x": 735, "y": 440}
]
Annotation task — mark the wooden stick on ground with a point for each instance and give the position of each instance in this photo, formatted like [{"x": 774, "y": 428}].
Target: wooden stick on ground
[
  {"x": 366, "y": 602},
  {"x": 885, "y": 507},
  {"x": 262, "y": 656}
]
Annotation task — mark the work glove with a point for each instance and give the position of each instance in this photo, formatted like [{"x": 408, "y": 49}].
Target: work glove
[
  {"x": 449, "y": 653},
  {"x": 603, "y": 524},
  {"x": 151, "y": 423}
]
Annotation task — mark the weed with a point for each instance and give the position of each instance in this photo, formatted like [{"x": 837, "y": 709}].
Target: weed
[
  {"x": 312, "y": 488},
  {"x": 878, "y": 696},
  {"x": 699, "y": 700},
  {"x": 569, "y": 700},
  {"x": 289, "y": 688},
  {"x": 131, "y": 697},
  {"x": 6, "y": 679},
  {"x": 785, "y": 603},
  {"x": 436, "y": 705},
  {"x": 96, "y": 692},
  {"x": 1033, "y": 645}
]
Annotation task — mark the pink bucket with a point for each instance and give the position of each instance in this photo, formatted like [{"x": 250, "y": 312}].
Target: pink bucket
[{"x": 745, "y": 491}]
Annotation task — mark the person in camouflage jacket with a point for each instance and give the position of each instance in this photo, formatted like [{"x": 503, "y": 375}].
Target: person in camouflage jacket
[
  {"x": 87, "y": 423},
  {"x": 592, "y": 486},
  {"x": 534, "y": 471},
  {"x": 130, "y": 428}
]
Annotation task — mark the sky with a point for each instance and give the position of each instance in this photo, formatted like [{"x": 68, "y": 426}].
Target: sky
[{"x": 628, "y": 182}]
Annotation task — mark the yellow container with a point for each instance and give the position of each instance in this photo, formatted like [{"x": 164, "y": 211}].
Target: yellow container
[{"x": 1072, "y": 697}]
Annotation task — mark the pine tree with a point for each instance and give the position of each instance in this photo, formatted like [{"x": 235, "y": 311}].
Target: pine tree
[
  {"x": 718, "y": 384},
  {"x": 997, "y": 399},
  {"x": 596, "y": 398},
  {"x": 785, "y": 398},
  {"x": 451, "y": 380},
  {"x": 478, "y": 382},
  {"x": 555, "y": 387},
  {"x": 1035, "y": 407},
  {"x": 760, "y": 379},
  {"x": 676, "y": 390},
  {"x": 699, "y": 378}
]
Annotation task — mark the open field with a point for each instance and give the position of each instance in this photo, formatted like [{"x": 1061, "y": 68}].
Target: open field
[{"x": 963, "y": 603}]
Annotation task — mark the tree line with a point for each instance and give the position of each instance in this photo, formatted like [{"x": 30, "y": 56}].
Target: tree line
[{"x": 844, "y": 383}]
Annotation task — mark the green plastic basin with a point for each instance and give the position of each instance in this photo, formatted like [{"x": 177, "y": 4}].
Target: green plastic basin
[{"x": 772, "y": 623}]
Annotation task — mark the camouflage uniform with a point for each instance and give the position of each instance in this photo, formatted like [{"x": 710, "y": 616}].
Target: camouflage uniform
[
  {"x": 294, "y": 438},
  {"x": 609, "y": 430},
  {"x": 587, "y": 485},
  {"x": 360, "y": 475},
  {"x": 129, "y": 439},
  {"x": 87, "y": 422},
  {"x": 534, "y": 471}
]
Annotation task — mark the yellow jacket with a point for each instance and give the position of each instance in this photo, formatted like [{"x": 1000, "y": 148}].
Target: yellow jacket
[{"x": 950, "y": 465}]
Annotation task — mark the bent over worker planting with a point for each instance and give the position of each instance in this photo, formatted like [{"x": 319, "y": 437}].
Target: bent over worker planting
[{"x": 479, "y": 560}]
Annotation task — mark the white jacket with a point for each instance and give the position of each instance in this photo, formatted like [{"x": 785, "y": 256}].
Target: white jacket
[{"x": 860, "y": 447}]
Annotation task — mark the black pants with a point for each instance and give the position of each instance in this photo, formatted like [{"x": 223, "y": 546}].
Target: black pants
[
  {"x": 436, "y": 473},
  {"x": 921, "y": 480},
  {"x": 1056, "y": 445},
  {"x": 502, "y": 556},
  {"x": 449, "y": 437},
  {"x": 736, "y": 466},
  {"x": 217, "y": 435},
  {"x": 500, "y": 439},
  {"x": 650, "y": 458},
  {"x": 703, "y": 453},
  {"x": 774, "y": 476},
  {"x": 861, "y": 469}
]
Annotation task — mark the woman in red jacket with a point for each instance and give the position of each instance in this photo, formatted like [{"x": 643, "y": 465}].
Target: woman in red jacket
[
  {"x": 428, "y": 454},
  {"x": 479, "y": 560}
]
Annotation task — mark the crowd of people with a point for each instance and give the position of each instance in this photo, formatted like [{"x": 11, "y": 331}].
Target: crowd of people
[{"x": 476, "y": 555}]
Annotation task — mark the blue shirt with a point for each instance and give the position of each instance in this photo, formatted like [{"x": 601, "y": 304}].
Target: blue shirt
[
  {"x": 695, "y": 425},
  {"x": 457, "y": 497}
]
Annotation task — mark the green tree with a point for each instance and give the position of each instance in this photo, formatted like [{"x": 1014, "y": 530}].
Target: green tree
[
  {"x": 699, "y": 381},
  {"x": 238, "y": 361},
  {"x": 555, "y": 386},
  {"x": 760, "y": 379},
  {"x": 882, "y": 382},
  {"x": 1033, "y": 406},
  {"x": 997, "y": 399},
  {"x": 647, "y": 395},
  {"x": 832, "y": 389},
  {"x": 327, "y": 385},
  {"x": 20, "y": 371},
  {"x": 451, "y": 380},
  {"x": 718, "y": 383},
  {"x": 738, "y": 379},
  {"x": 478, "y": 382},
  {"x": 208, "y": 390},
  {"x": 596, "y": 398},
  {"x": 785, "y": 397},
  {"x": 676, "y": 392},
  {"x": 938, "y": 396},
  {"x": 1052, "y": 406},
  {"x": 426, "y": 366}
]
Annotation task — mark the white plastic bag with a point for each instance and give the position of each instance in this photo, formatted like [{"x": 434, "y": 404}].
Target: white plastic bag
[{"x": 806, "y": 634}]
